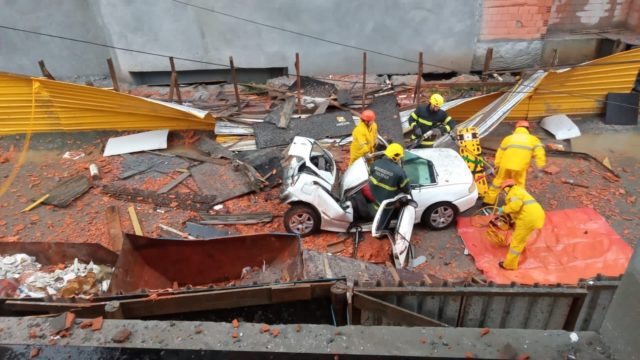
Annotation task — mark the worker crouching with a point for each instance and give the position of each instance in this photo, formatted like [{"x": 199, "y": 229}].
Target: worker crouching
[{"x": 528, "y": 216}]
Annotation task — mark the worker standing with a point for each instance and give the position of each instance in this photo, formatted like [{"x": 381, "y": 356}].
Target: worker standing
[
  {"x": 387, "y": 178},
  {"x": 513, "y": 159},
  {"x": 430, "y": 117},
  {"x": 364, "y": 136},
  {"x": 528, "y": 216}
]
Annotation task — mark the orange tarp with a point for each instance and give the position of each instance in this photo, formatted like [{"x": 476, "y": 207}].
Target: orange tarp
[{"x": 573, "y": 244}]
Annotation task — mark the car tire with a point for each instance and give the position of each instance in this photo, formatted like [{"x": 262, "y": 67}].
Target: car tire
[
  {"x": 302, "y": 219},
  {"x": 439, "y": 216}
]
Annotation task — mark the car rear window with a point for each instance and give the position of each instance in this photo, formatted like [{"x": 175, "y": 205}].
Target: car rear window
[{"x": 419, "y": 170}]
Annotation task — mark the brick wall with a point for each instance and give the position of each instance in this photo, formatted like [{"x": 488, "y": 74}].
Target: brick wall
[
  {"x": 576, "y": 16},
  {"x": 514, "y": 19},
  {"x": 633, "y": 17}
]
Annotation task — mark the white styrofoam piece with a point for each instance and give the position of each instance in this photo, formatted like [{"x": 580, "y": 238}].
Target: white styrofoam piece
[
  {"x": 560, "y": 126},
  {"x": 148, "y": 140}
]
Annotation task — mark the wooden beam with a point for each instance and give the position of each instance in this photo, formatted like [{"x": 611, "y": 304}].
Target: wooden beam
[
  {"x": 114, "y": 229},
  {"x": 45, "y": 72},
  {"x": 393, "y": 313},
  {"x": 554, "y": 58},
  {"x": 234, "y": 78},
  {"x": 488, "y": 56},
  {"x": 298, "y": 84},
  {"x": 134, "y": 220},
  {"x": 114, "y": 77},
  {"x": 174, "y": 182},
  {"x": 416, "y": 91},
  {"x": 364, "y": 79},
  {"x": 174, "y": 82}
]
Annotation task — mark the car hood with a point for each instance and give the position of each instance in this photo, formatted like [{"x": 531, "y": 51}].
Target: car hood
[{"x": 450, "y": 167}]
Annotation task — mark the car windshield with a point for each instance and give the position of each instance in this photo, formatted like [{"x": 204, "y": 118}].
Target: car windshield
[{"x": 419, "y": 170}]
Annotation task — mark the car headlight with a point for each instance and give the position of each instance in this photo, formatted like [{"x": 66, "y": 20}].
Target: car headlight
[{"x": 472, "y": 188}]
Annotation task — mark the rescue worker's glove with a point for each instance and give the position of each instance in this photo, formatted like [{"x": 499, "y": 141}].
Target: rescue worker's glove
[{"x": 417, "y": 131}]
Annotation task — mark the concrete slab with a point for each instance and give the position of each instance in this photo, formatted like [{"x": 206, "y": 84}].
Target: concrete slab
[{"x": 299, "y": 341}]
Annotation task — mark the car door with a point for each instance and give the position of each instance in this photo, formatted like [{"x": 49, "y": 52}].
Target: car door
[{"x": 396, "y": 222}]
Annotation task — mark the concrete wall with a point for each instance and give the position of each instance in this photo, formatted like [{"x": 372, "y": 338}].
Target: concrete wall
[
  {"x": 453, "y": 34},
  {"x": 402, "y": 28},
  {"x": 20, "y": 52},
  {"x": 620, "y": 326}
]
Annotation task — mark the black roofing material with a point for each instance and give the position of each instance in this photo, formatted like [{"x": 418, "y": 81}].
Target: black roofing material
[
  {"x": 387, "y": 117},
  {"x": 328, "y": 125},
  {"x": 314, "y": 88}
]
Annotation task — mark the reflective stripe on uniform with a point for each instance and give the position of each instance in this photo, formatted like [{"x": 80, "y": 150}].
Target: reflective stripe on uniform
[
  {"x": 514, "y": 252},
  {"x": 384, "y": 186},
  {"x": 421, "y": 120},
  {"x": 529, "y": 202},
  {"x": 514, "y": 146}
]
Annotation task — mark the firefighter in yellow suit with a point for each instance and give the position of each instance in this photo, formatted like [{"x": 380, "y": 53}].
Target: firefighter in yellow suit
[
  {"x": 513, "y": 159},
  {"x": 528, "y": 216},
  {"x": 364, "y": 136}
]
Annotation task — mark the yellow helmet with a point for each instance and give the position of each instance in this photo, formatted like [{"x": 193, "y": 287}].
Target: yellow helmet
[
  {"x": 436, "y": 100},
  {"x": 394, "y": 151}
]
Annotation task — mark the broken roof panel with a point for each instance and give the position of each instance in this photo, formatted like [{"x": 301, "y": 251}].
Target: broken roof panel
[
  {"x": 581, "y": 89},
  {"x": 42, "y": 105}
]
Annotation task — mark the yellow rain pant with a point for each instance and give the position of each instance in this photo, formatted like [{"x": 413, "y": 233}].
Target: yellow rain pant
[{"x": 519, "y": 176}]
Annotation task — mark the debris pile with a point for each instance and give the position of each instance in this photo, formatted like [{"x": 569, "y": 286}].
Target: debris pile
[{"x": 63, "y": 280}]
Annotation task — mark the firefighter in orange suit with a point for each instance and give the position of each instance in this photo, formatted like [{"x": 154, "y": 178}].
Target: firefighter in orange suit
[
  {"x": 528, "y": 216},
  {"x": 513, "y": 159},
  {"x": 364, "y": 136}
]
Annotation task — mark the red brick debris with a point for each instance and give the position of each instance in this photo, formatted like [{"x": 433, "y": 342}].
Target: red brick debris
[
  {"x": 235, "y": 323},
  {"x": 275, "y": 332},
  {"x": 96, "y": 324},
  {"x": 264, "y": 328},
  {"x": 484, "y": 331},
  {"x": 34, "y": 352}
]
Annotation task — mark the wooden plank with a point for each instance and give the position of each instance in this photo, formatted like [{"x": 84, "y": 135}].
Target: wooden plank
[
  {"x": 36, "y": 203},
  {"x": 488, "y": 56},
  {"x": 250, "y": 218},
  {"x": 194, "y": 155},
  {"x": 393, "y": 313},
  {"x": 327, "y": 268},
  {"x": 112, "y": 73},
  {"x": 284, "y": 116},
  {"x": 187, "y": 201},
  {"x": 393, "y": 271},
  {"x": 336, "y": 247},
  {"x": 114, "y": 229},
  {"x": 134, "y": 220},
  {"x": 80, "y": 309},
  {"x": 288, "y": 293},
  {"x": 174, "y": 182},
  {"x": 67, "y": 191}
]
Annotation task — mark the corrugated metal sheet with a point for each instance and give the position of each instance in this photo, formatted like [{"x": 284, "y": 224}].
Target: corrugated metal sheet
[
  {"x": 60, "y": 106},
  {"x": 581, "y": 90},
  {"x": 467, "y": 109}
]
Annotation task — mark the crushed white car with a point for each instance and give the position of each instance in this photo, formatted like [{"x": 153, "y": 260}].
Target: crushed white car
[{"x": 441, "y": 187}]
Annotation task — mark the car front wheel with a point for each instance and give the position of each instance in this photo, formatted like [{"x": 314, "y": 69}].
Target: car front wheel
[
  {"x": 439, "y": 216},
  {"x": 302, "y": 220}
]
